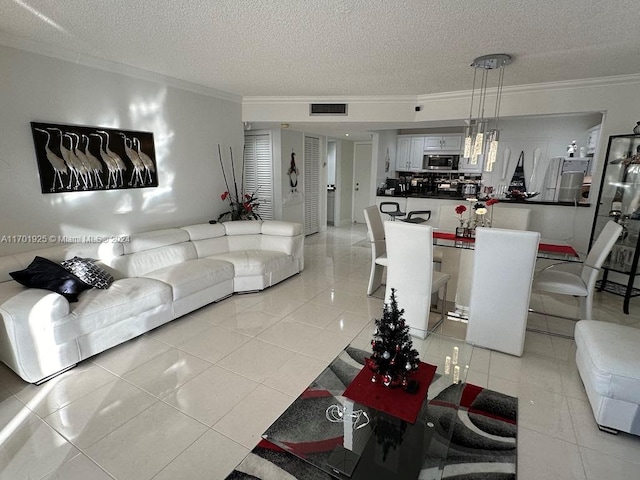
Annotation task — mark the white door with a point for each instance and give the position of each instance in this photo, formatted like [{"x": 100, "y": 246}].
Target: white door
[
  {"x": 362, "y": 160},
  {"x": 311, "y": 185}
]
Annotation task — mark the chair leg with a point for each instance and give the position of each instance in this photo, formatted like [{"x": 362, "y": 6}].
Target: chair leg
[
  {"x": 444, "y": 300},
  {"x": 586, "y": 305},
  {"x": 442, "y": 310},
  {"x": 375, "y": 278}
]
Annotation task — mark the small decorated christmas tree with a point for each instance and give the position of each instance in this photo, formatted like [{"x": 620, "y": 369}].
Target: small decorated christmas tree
[{"x": 394, "y": 357}]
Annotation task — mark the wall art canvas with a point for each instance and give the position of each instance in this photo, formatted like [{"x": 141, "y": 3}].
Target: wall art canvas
[{"x": 75, "y": 158}]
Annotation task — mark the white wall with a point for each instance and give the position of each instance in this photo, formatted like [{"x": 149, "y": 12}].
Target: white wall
[
  {"x": 387, "y": 141},
  {"x": 187, "y": 127},
  {"x": 292, "y": 202},
  {"x": 552, "y": 134}
]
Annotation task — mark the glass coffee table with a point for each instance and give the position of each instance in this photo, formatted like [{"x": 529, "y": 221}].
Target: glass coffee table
[{"x": 346, "y": 439}]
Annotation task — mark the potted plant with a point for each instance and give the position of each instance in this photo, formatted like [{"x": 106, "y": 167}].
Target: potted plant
[{"x": 242, "y": 206}]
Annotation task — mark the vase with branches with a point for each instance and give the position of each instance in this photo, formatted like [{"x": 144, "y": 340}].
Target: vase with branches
[{"x": 242, "y": 205}]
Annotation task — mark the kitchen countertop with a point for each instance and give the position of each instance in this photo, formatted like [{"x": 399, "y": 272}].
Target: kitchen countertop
[{"x": 435, "y": 196}]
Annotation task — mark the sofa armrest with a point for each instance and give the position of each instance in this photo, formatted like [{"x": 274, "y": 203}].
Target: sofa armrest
[{"x": 27, "y": 332}]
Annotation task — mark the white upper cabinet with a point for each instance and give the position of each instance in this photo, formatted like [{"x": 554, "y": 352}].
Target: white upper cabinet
[
  {"x": 416, "y": 154},
  {"x": 402, "y": 158},
  {"x": 443, "y": 143},
  {"x": 412, "y": 148},
  {"x": 409, "y": 153}
]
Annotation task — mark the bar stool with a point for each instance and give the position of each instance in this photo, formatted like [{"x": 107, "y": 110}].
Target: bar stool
[
  {"x": 417, "y": 216},
  {"x": 396, "y": 212}
]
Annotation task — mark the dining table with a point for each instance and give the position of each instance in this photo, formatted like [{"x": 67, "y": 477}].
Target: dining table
[{"x": 457, "y": 261}]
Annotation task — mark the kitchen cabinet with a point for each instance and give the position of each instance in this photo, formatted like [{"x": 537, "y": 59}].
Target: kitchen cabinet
[
  {"x": 619, "y": 199},
  {"x": 443, "y": 143},
  {"x": 402, "y": 153},
  {"x": 411, "y": 149},
  {"x": 409, "y": 153}
]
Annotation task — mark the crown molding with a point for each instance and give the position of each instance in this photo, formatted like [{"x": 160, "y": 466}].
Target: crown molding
[
  {"x": 396, "y": 99},
  {"x": 457, "y": 95},
  {"x": 68, "y": 55}
]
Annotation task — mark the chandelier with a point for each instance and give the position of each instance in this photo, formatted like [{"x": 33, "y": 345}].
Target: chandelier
[{"x": 476, "y": 136}]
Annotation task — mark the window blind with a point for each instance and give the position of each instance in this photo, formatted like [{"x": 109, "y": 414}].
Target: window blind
[{"x": 258, "y": 171}]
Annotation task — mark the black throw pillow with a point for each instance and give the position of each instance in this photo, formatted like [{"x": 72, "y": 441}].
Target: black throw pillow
[{"x": 44, "y": 273}]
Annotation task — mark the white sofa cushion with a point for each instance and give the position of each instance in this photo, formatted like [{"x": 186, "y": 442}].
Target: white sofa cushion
[
  {"x": 612, "y": 352},
  {"x": 98, "y": 308},
  {"x": 146, "y": 261},
  {"x": 286, "y": 229},
  {"x": 205, "y": 230},
  {"x": 193, "y": 275},
  {"x": 255, "y": 262},
  {"x": 243, "y": 228},
  {"x": 9, "y": 290},
  {"x": 18, "y": 261},
  {"x": 9, "y": 264},
  {"x": 155, "y": 239}
]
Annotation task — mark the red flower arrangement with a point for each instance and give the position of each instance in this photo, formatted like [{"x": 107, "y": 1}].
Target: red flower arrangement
[
  {"x": 242, "y": 205},
  {"x": 460, "y": 209},
  {"x": 491, "y": 201}
]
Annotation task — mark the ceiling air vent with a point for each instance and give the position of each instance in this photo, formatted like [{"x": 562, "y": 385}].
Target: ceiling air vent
[{"x": 327, "y": 109}]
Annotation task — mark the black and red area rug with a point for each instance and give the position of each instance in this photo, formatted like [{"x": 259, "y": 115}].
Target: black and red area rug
[{"x": 480, "y": 446}]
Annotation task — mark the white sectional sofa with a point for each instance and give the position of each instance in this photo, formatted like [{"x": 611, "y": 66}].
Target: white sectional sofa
[
  {"x": 608, "y": 360},
  {"x": 159, "y": 276}
]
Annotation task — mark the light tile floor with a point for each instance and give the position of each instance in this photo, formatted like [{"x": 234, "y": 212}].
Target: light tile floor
[{"x": 190, "y": 399}]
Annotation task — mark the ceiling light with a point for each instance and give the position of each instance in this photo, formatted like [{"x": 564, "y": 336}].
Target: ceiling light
[
  {"x": 346, "y": 134},
  {"x": 476, "y": 138},
  {"x": 284, "y": 125}
]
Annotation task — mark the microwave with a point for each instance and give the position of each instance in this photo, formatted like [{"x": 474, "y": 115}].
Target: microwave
[{"x": 440, "y": 162}]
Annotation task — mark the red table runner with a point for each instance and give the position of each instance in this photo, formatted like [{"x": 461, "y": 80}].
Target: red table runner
[
  {"x": 542, "y": 247},
  {"x": 394, "y": 401}
]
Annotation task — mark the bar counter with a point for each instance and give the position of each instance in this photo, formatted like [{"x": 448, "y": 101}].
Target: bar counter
[
  {"x": 554, "y": 220},
  {"x": 463, "y": 198}
]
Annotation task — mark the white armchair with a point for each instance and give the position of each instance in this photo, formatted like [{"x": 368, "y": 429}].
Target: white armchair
[
  {"x": 504, "y": 263},
  {"x": 375, "y": 232},
  {"x": 579, "y": 280},
  {"x": 410, "y": 272}
]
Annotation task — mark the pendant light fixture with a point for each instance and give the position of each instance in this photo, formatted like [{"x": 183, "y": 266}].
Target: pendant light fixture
[{"x": 476, "y": 137}]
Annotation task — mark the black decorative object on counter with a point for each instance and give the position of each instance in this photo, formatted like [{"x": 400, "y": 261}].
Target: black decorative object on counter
[
  {"x": 636, "y": 129},
  {"x": 518, "y": 180}
]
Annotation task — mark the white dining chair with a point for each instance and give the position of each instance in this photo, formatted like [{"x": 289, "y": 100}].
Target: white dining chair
[
  {"x": 410, "y": 272},
  {"x": 503, "y": 268},
  {"x": 375, "y": 233},
  {"x": 579, "y": 279}
]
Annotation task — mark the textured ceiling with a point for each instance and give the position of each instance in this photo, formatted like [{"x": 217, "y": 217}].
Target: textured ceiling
[{"x": 337, "y": 47}]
